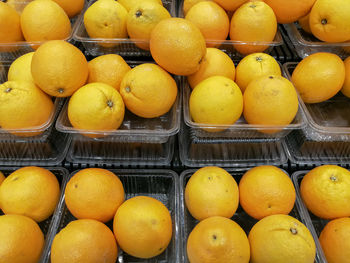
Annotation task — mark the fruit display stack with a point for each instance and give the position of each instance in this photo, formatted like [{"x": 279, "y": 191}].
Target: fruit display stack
[{"x": 180, "y": 131}]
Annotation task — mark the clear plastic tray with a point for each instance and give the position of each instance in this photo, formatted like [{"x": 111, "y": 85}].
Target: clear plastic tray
[
  {"x": 227, "y": 45},
  {"x": 48, "y": 148},
  {"x": 20, "y": 48},
  {"x": 240, "y": 217},
  {"x": 313, "y": 222},
  {"x": 123, "y": 46},
  {"x": 159, "y": 184},
  {"x": 47, "y": 226},
  {"x": 306, "y": 44}
]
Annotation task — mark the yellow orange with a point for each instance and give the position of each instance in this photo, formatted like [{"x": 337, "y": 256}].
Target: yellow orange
[
  {"x": 319, "y": 77},
  {"x": 94, "y": 193},
  {"x": 325, "y": 191},
  {"x": 72, "y": 8},
  {"x": 178, "y": 46},
  {"x": 335, "y": 240},
  {"x": 215, "y": 63},
  {"x": 141, "y": 20},
  {"x": 129, "y": 4},
  {"x": 148, "y": 91},
  {"x": 281, "y": 238},
  {"x": 211, "y": 191},
  {"x": 10, "y": 25},
  {"x": 2, "y": 177},
  {"x": 59, "y": 68},
  {"x": 266, "y": 190},
  {"x": 84, "y": 240},
  {"x": 346, "y": 86},
  {"x": 109, "y": 69},
  {"x": 253, "y": 22},
  {"x": 216, "y": 240},
  {"x": 187, "y": 4},
  {"x": 230, "y": 5},
  {"x": 143, "y": 227},
  {"x": 304, "y": 23},
  {"x": 20, "y": 69},
  {"x": 253, "y": 66}
]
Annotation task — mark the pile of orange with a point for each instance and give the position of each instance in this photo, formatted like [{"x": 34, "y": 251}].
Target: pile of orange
[
  {"x": 265, "y": 193},
  {"x": 142, "y": 225}
]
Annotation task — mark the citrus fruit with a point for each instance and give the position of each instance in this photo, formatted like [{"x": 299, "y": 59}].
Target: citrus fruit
[
  {"x": 103, "y": 112},
  {"x": 187, "y": 4},
  {"x": 59, "y": 68},
  {"x": 319, "y": 77},
  {"x": 281, "y": 238},
  {"x": 335, "y": 240},
  {"x": 290, "y": 11},
  {"x": 30, "y": 191},
  {"x": 129, "y": 4},
  {"x": 325, "y": 191},
  {"x": 2, "y": 177},
  {"x": 211, "y": 191},
  {"x": 212, "y": 21},
  {"x": 230, "y": 5},
  {"x": 270, "y": 100},
  {"x": 106, "y": 19},
  {"x": 215, "y": 63},
  {"x": 84, "y": 240},
  {"x": 20, "y": 69},
  {"x": 330, "y": 20},
  {"x": 10, "y": 25},
  {"x": 18, "y": 5},
  {"x": 218, "y": 239},
  {"x": 266, "y": 190},
  {"x": 141, "y": 20},
  {"x": 109, "y": 69},
  {"x": 178, "y": 46},
  {"x": 216, "y": 100},
  {"x": 346, "y": 86},
  {"x": 304, "y": 23},
  {"x": 253, "y": 66},
  {"x": 43, "y": 20},
  {"x": 148, "y": 91},
  {"x": 143, "y": 227},
  {"x": 21, "y": 239},
  {"x": 23, "y": 105},
  {"x": 94, "y": 193},
  {"x": 72, "y": 8},
  {"x": 253, "y": 22}
]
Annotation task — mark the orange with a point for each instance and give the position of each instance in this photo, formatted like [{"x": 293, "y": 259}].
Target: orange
[
  {"x": 253, "y": 66},
  {"x": 141, "y": 20},
  {"x": 43, "y": 20},
  {"x": 21, "y": 240},
  {"x": 23, "y": 106},
  {"x": 129, "y": 4},
  {"x": 148, "y": 91},
  {"x": 217, "y": 101},
  {"x": 266, "y": 190},
  {"x": 325, "y": 191},
  {"x": 346, "y": 86},
  {"x": 304, "y": 23},
  {"x": 96, "y": 106},
  {"x": 85, "y": 241},
  {"x": 106, "y": 19},
  {"x": 330, "y": 21},
  {"x": 212, "y": 21},
  {"x": 59, "y": 68},
  {"x": 319, "y": 77},
  {"x": 281, "y": 238},
  {"x": 253, "y": 22},
  {"x": 143, "y": 227},
  {"x": 335, "y": 240},
  {"x": 20, "y": 69},
  {"x": 94, "y": 193},
  {"x": 10, "y": 25},
  {"x": 270, "y": 100},
  {"x": 30, "y": 191},
  {"x": 215, "y": 63},
  {"x": 216, "y": 240},
  {"x": 187, "y": 4},
  {"x": 109, "y": 69},
  {"x": 2, "y": 177},
  {"x": 178, "y": 46},
  {"x": 291, "y": 10},
  {"x": 211, "y": 191},
  {"x": 230, "y": 5},
  {"x": 72, "y": 8}
]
